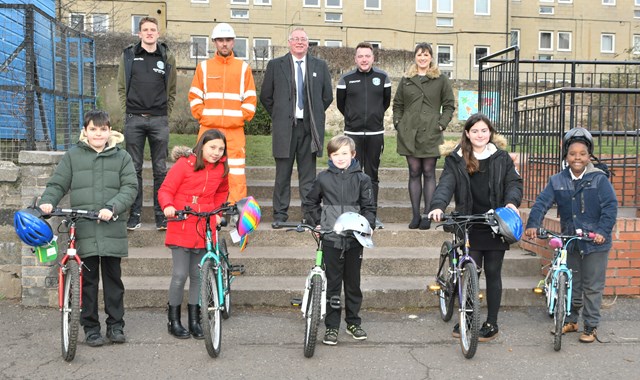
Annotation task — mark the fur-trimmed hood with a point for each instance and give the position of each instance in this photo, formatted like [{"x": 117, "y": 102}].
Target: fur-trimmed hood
[
  {"x": 449, "y": 146},
  {"x": 114, "y": 139},
  {"x": 432, "y": 73},
  {"x": 179, "y": 151}
]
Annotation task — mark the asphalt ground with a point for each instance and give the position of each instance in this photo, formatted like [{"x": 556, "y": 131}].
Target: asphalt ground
[{"x": 260, "y": 343}]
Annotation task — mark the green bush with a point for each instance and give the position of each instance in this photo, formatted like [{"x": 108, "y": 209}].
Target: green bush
[{"x": 260, "y": 125}]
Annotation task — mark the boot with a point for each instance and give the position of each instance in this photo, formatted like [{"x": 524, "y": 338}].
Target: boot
[
  {"x": 195, "y": 328},
  {"x": 174, "y": 325}
]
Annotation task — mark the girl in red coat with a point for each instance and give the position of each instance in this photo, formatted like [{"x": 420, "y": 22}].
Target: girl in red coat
[{"x": 198, "y": 180}]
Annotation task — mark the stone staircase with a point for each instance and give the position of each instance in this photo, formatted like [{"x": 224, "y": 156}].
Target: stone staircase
[{"x": 394, "y": 274}]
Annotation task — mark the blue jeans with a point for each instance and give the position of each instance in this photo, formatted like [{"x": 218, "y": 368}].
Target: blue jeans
[{"x": 137, "y": 129}]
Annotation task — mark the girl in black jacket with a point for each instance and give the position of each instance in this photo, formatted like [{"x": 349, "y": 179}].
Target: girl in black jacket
[{"x": 480, "y": 176}]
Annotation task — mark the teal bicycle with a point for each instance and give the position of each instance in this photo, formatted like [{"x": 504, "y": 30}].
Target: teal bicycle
[{"x": 216, "y": 276}]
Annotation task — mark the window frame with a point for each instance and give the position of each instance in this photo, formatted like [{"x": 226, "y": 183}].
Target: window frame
[
  {"x": 438, "y": 10},
  {"x": 428, "y": 4},
  {"x": 305, "y": 5},
  {"x": 517, "y": 33},
  {"x": 262, "y": 2},
  {"x": 93, "y": 23},
  {"x": 368, "y": 8},
  {"x": 609, "y": 3},
  {"x": 239, "y": 2},
  {"x": 84, "y": 21},
  {"x": 326, "y": 4},
  {"x": 231, "y": 15},
  {"x": 613, "y": 43},
  {"x": 254, "y": 46},
  {"x": 244, "y": 41},
  {"x": 475, "y": 8},
  {"x": 570, "y": 34},
  {"x": 332, "y": 13},
  {"x": 550, "y": 34},
  {"x": 476, "y": 59},
  {"x": 635, "y": 49},
  {"x": 552, "y": 9},
  {"x": 441, "y": 25},
  {"x": 135, "y": 20},
  {"x": 192, "y": 45},
  {"x": 450, "y": 61},
  {"x": 328, "y": 42}
]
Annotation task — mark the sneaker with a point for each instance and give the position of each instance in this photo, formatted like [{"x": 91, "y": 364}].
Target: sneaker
[
  {"x": 456, "y": 331},
  {"x": 115, "y": 334},
  {"x": 330, "y": 337},
  {"x": 94, "y": 339},
  {"x": 356, "y": 332},
  {"x": 488, "y": 332},
  {"x": 379, "y": 224},
  {"x": 588, "y": 335},
  {"x": 134, "y": 222},
  {"x": 162, "y": 225},
  {"x": 568, "y": 327}
]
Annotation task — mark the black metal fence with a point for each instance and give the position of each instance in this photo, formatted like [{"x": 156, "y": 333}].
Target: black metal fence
[
  {"x": 47, "y": 81},
  {"x": 535, "y": 102}
]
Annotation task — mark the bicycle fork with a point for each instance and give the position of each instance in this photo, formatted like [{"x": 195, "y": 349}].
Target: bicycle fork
[
  {"x": 62, "y": 271},
  {"x": 307, "y": 292},
  {"x": 552, "y": 293}
]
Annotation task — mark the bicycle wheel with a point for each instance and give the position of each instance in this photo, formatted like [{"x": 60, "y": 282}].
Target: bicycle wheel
[
  {"x": 560, "y": 310},
  {"x": 226, "y": 279},
  {"x": 312, "y": 316},
  {"x": 446, "y": 294},
  {"x": 210, "y": 309},
  {"x": 70, "y": 316},
  {"x": 469, "y": 310}
]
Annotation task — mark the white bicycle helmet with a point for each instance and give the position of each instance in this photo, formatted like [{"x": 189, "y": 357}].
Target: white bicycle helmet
[{"x": 356, "y": 224}]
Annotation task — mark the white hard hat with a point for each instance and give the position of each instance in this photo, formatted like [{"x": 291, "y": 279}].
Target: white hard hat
[
  {"x": 223, "y": 30},
  {"x": 351, "y": 223}
]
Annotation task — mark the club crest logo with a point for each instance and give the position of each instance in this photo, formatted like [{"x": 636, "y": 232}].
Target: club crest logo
[
  {"x": 376, "y": 81},
  {"x": 160, "y": 65}
]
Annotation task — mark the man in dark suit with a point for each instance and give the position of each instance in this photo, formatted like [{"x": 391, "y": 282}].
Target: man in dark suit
[{"x": 296, "y": 91}]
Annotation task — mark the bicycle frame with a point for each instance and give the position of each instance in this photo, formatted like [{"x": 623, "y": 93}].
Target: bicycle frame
[
  {"x": 70, "y": 254},
  {"x": 213, "y": 253},
  {"x": 316, "y": 270}
]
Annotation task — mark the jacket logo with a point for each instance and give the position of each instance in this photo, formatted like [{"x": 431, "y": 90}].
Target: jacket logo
[
  {"x": 376, "y": 81},
  {"x": 160, "y": 65},
  {"x": 354, "y": 81}
]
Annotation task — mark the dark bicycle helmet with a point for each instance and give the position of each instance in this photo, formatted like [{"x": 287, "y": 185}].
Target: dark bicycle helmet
[
  {"x": 31, "y": 229},
  {"x": 578, "y": 134},
  {"x": 352, "y": 223},
  {"x": 509, "y": 224}
]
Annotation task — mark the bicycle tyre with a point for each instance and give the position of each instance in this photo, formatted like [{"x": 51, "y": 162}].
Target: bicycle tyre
[
  {"x": 312, "y": 319},
  {"x": 70, "y": 313},
  {"x": 560, "y": 310},
  {"x": 469, "y": 310},
  {"x": 446, "y": 294},
  {"x": 210, "y": 317},
  {"x": 226, "y": 279}
]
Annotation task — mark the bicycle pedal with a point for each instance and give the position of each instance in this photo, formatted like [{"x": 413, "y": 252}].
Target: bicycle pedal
[
  {"x": 236, "y": 270},
  {"x": 51, "y": 282},
  {"x": 538, "y": 290},
  {"x": 335, "y": 302},
  {"x": 434, "y": 288},
  {"x": 297, "y": 302}
]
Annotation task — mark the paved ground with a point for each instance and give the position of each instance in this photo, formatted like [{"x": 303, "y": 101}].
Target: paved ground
[{"x": 266, "y": 344}]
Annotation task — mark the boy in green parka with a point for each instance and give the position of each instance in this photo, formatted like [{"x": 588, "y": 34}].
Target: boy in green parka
[{"x": 99, "y": 176}]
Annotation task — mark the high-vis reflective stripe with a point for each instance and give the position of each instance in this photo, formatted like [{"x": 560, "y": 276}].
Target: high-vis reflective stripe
[
  {"x": 363, "y": 133},
  {"x": 236, "y": 171},
  {"x": 235, "y": 161}
]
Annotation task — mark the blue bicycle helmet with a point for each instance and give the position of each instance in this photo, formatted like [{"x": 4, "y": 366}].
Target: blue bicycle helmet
[
  {"x": 31, "y": 229},
  {"x": 509, "y": 224}
]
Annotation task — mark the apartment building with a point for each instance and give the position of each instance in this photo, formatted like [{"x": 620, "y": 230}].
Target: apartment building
[{"x": 461, "y": 31}]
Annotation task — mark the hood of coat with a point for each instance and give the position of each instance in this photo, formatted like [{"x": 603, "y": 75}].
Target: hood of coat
[
  {"x": 179, "y": 151},
  {"x": 432, "y": 73},
  {"x": 114, "y": 139},
  {"x": 449, "y": 146}
]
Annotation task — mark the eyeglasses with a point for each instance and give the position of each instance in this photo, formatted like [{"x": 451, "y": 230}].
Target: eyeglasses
[{"x": 298, "y": 39}]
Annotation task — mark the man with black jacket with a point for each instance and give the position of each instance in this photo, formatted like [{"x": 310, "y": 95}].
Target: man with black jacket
[
  {"x": 147, "y": 90},
  {"x": 363, "y": 95}
]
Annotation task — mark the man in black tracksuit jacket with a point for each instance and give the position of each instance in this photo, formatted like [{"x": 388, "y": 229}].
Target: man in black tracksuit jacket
[{"x": 363, "y": 95}]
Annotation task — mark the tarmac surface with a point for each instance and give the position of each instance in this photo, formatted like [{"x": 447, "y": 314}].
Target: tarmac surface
[{"x": 259, "y": 343}]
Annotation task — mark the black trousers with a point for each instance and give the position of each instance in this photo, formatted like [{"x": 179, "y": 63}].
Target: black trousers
[
  {"x": 491, "y": 262},
  {"x": 369, "y": 149},
  {"x": 300, "y": 151},
  {"x": 113, "y": 292},
  {"x": 343, "y": 267}
]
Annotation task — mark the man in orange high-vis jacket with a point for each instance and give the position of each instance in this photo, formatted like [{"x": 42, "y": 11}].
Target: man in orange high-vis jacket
[{"x": 223, "y": 97}]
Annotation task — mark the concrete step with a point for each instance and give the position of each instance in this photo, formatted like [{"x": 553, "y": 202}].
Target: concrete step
[
  {"x": 294, "y": 261},
  {"x": 393, "y": 235},
  {"x": 379, "y": 292}
]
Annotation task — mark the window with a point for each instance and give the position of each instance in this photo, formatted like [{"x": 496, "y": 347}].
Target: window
[
  {"x": 261, "y": 49},
  {"x": 244, "y": 2},
  {"x": 545, "y": 57},
  {"x": 608, "y": 2},
  {"x": 376, "y": 44},
  {"x": 636, "y": 14},
  {"x": 372, "y": 5},
  {"x": 76, "y": 21},
  {"x": 545, "y": 41},
  {"x": 240, "y": 48},
  {"x": 311, "y": 3},
  {"x": 314, "y": 42},
  {"x": 332, "y": 17},
  {"x": 565, "y": 1},
  {"x": 262, "y": 2},
  {"x": 240, "y": 13},
  {"x": 564, "y": 41},
  {"x": 635, "y": 49},
  {"x": 332, "y": 43},
  {"x": 445, "y": 6},
  {"x": 637, "y": 3},
  {"x": 479, "y": 52},
  {"x": 100, "y": 23},
  {"x": 135, "y": 23},
  {"x": 546, "y": 1},
  {"x": 333, "y": 3},
  {"x": 444, "y": 21},
  {"x": 199, "y": 47},
  {"x": 443, "y": 52},
  {"x": 607, "y": 43},
  {"x": 546, "y": 10},
  {"x": 482, "y": 7},
  {"x": 425, "y": 6},
  {"x": 200, "y": 1},
  {"x": 515, "y": 37}
]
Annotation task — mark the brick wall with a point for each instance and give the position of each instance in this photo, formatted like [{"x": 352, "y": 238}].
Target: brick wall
[{"x": 623, "y": 271}]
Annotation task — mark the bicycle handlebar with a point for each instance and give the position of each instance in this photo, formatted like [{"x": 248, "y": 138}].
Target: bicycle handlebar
[
  {"x": 300, "y": 227},
  {"x": 77, "y": 214},
  {"x": 182, "y": 214},
  {"x": 456, "y": 219},
  {"x": 543, "y": 233}
]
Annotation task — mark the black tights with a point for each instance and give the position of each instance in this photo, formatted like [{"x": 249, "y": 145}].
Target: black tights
[
  {"x": 421, "y": 169},
  {"x": 492, "y": 272}
]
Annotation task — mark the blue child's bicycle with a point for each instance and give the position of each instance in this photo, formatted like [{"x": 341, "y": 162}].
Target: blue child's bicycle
[{"x": 557, "y": 284}]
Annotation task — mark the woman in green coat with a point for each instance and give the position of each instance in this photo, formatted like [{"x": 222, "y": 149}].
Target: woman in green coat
[{"x": 422, "y": 108}]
